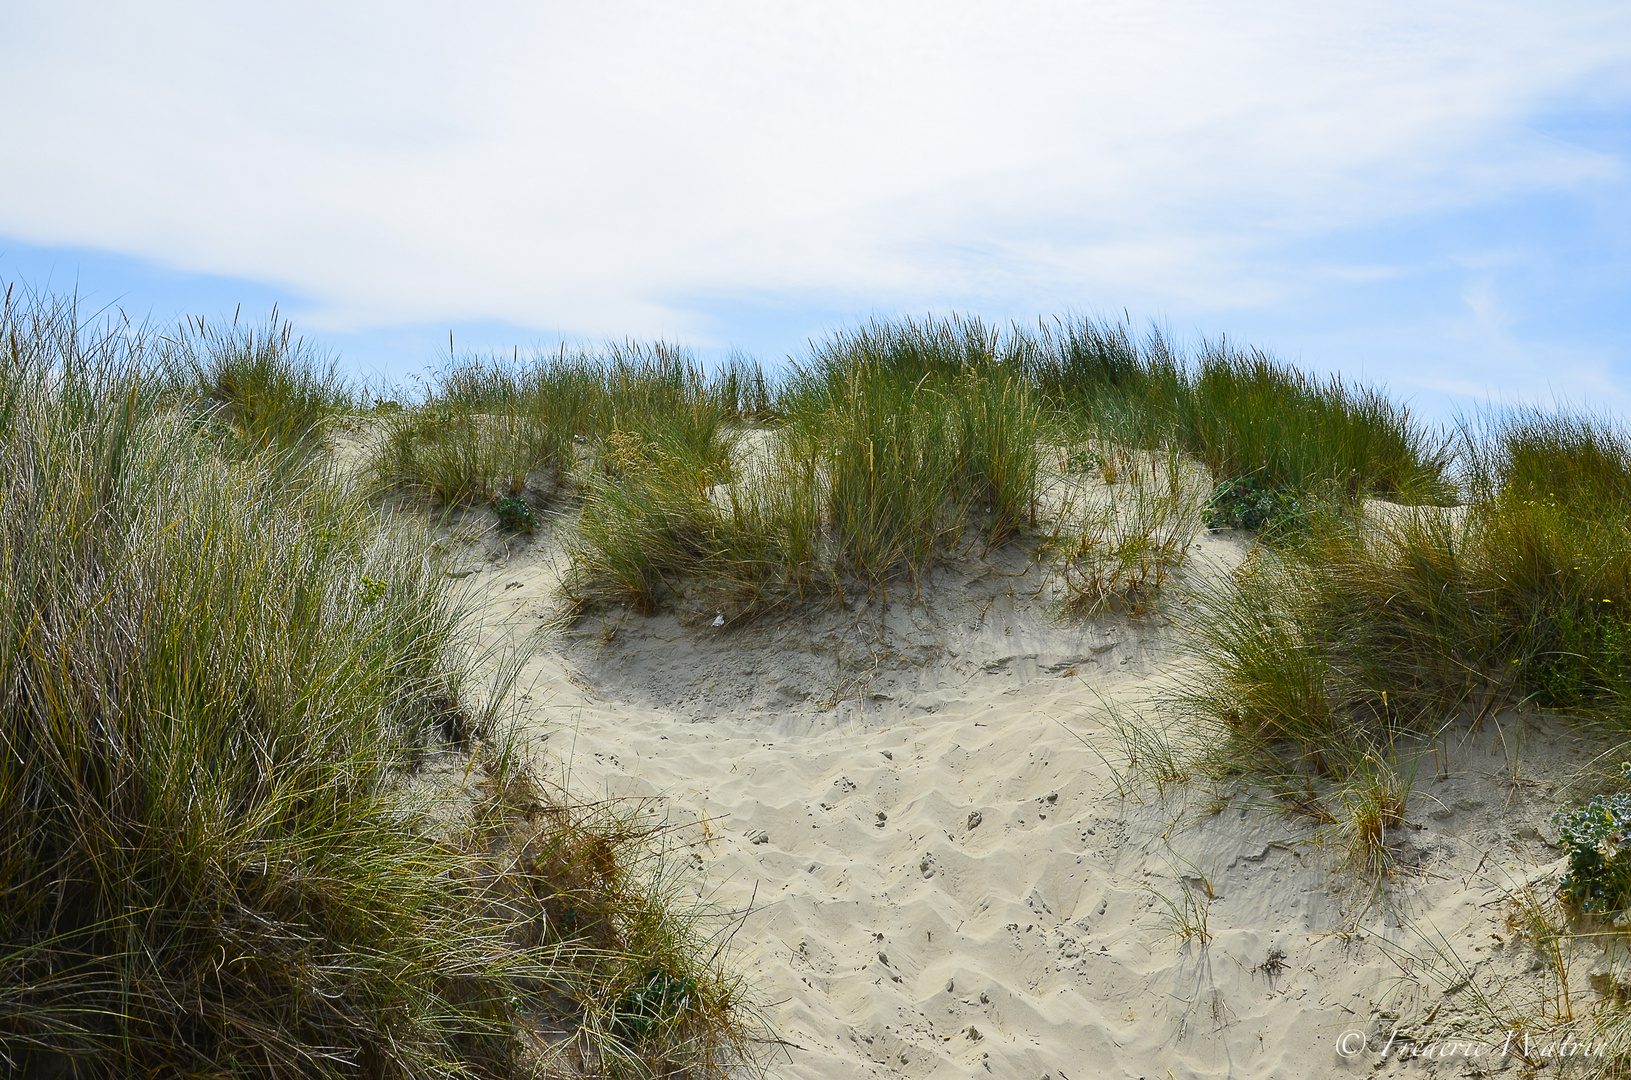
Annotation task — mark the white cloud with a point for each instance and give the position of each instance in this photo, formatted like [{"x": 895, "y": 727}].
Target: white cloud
[{"x": 596, "y": 167}]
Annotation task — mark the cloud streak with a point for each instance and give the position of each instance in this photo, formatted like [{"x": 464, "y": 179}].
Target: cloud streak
[{"x": 622, "y": 167}]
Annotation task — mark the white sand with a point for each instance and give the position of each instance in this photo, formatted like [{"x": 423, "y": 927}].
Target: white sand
[{"x": 916, "y": 805}]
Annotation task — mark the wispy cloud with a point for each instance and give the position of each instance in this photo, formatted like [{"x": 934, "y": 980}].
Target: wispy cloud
[{"x": 628, "y": 167}]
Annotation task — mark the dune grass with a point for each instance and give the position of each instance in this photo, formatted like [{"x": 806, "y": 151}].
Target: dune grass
[
  {"x": 481, "y": 432},
  {"x": 1356, "y": 634},
  {"x": 743, "y": 390},
  {"x": 608, "y": 885},
  {"x": 1373, "y": 627},
  {"x": 260, "y": 385},
  {"x": 888, "y": 447},
  {"x": 1117, "y": 554},
  {"x": 452, "y": 455},
  {"x": 895, "y": 443},
  {"x": 219, "y": 666},
  {"x": 1132, "y": 392},
  {"x": 221, "y": 662},
  {"x": 486, "y": 426},
  {"x": 1249, "y": 415},
  {"x": 906, "y": 437},
  {"x": 208, "y": 676},
  {"x": 1243, "y": 414},
  {"x": 927, "y": 429}
]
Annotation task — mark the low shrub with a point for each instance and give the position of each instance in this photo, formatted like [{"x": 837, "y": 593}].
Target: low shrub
[
  {"x": 514, "y": 514},
  {"x": 1595, "y": 836},
  {"x": 1245, "y": 503}
]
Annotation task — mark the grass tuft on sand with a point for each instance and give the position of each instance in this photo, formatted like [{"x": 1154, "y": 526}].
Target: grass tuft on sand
[
  {"x": 886, "y": 450},
  {"x": 1390, "y": 622},
  {"x": 1241, "y": 413},
  {"x": 219, "y": 667}
]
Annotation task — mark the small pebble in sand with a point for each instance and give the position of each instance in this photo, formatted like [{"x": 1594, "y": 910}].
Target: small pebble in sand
[
  {"x": 974, "y": 819},
  {"x": 759, "y": 837}
]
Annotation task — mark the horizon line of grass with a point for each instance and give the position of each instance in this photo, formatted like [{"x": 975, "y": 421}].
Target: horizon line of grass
[{"x": 890, "y": 443}]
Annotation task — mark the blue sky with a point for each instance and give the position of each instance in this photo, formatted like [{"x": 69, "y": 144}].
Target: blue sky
[{"x": 1433, "y": 196}]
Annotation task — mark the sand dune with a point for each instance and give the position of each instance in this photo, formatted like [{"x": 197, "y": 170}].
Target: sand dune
[{"x": 917, "y": 802}]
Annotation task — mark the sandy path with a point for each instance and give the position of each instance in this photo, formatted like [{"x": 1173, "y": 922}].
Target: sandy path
[{"x": 946, "y": 878}]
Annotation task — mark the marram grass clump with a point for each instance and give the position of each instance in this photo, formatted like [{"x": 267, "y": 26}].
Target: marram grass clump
[
  {"x": 1117, "y": 554},
  {"x": 1381, "y": 624},
  {"x": 891, "y": 447},
  {"x": 1246, "y": 416},
  {"x": 495, "y": 428},
  {"x": 218, "y": 666},
  {"x": 646, "y": 968},
  {"x": 206, "y": 695},
  {"x": 262, "y": 386},
  {"x": 897, "y": 443}
]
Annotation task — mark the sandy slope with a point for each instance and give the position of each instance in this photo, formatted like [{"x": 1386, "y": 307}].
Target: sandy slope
[{"x": 917, "y": 802}]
